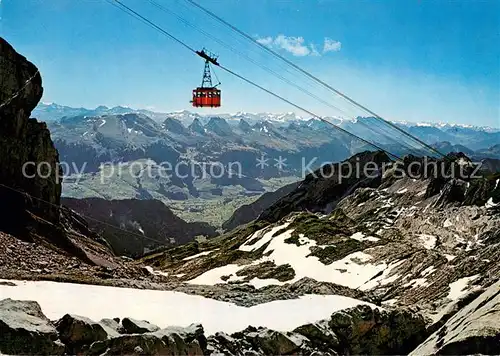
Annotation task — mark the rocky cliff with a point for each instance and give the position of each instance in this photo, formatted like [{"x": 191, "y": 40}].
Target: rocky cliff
[
  {"x": 134, "y": 226},
  {"x": 249, "y": 212},
  {"x": 30, "y": 178},
  {"x": 25, "y": 144}
]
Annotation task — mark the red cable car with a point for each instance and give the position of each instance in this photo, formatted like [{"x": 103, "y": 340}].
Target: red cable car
[{"x": 207, "y": 95}]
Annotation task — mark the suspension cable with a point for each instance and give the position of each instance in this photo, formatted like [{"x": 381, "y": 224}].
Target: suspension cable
[
  {"x": 84, "y": 215},
  {"x": 305, "y": 110},
  {"x": 161, "y": 30},
  {"x": 311, "y": 76},
  {"x": 378, "y": 129}
]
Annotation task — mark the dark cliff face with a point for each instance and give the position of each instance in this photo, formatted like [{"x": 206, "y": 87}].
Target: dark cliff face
[
  {"x": 24, "y": 141},
  {"x": 250, "y": 212},
  {"x": 131, "y": 226},
  {"x": 321, "y": 190},
  {"x": 30, "y": 185}
]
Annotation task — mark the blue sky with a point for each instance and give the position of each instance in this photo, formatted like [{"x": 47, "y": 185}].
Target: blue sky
[{"x": 415, "y": 60}]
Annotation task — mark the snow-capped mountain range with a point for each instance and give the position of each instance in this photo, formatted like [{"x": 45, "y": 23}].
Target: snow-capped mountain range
[{"x": 53, "y": 111}]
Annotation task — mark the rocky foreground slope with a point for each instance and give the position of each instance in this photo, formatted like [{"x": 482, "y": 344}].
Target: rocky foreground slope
[
  {"x": 360, "y": 330},
  {"x": 404, "y": 265},
  {"x": 426, "y": 243}
]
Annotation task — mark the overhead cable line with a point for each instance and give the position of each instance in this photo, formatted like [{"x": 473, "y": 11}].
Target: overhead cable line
[
  {"x": 380, "y": 130},
  {"x": 306, "y": 111},
  {"x": 16, "y": 94},
  {"x": 313, "y": 77},
  {"x": 84, "y": 215},
  {"x": 161, "y": 30}
]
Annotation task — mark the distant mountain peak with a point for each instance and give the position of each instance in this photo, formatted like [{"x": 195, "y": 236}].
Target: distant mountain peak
[
  {"x": 219, "y": 126},
  {"x": 244, "y": 126},
  {"x": 174, "y": 125},
  {"x": 196, "y": 126}
]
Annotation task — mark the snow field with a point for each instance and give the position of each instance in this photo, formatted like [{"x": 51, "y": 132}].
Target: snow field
[{"x": 167, "y": 308}]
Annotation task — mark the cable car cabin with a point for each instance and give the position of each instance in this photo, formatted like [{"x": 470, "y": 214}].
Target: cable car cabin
[{"x": 206, "y": 97}]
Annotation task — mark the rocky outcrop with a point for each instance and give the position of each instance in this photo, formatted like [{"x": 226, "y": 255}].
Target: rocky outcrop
[
  {"x": 132, "y": 326},
  {"x": 355, "y": 331},
  {"x": 359, "y": 330},
  {"x": 150, "y": 223},
  {"x": 24, "y": 329},
  {"x": 321, "y": 190},
  {"x": 250, "y": 212},
  {"x": 473, "y": 330},
  {"x": 25, "y": 145}
]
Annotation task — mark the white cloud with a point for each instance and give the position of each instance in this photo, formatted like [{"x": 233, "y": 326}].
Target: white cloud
[
  {"x": 294, "y": 45},
  {"x": 331, "y": 45},
  {"x": 266, "y": 41},
  {"x": 298, "y": 46}
]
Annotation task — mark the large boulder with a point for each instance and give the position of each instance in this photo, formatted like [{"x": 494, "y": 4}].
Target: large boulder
[
  {"x": 24, "y": 329},
  {"x": 133, "y": 326},
  {"x": 475, "y": 329},
  {"x": 254, "y": 341},
  {"x": 77, "y": 332},
  {"x": 363, "y": 330}
]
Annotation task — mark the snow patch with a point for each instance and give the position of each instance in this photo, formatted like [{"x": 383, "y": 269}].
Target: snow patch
[
  {"x": 428, "y": 241},
  {"x": 490, "y": 204},
  {"x": 155, "y": 272},
  {"x": 459, "y": 287},
  {"x": 168, "y": 308},
  {"x": 384, "y": 278},
  {"x": 359, "y": 236},
  {"x": 261, "y": 283},
  {"x": 402, "y": 191},
  {"x": 204, "y": 253}
]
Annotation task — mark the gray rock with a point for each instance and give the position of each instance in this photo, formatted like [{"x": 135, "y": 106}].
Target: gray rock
[
  {"x": 24, "y": 329},
  {"x": 78, "y": 332},
  {"x": 475, "y": 329},
  {"x": 111, "y": 326},
  {"x": 169, "y": 341},
  {"x": 133, "y": 326},
  {"x": 8, "y": 284},
  {"x": 363, "y": 330},
  {"x": 355, "y": 331}
]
